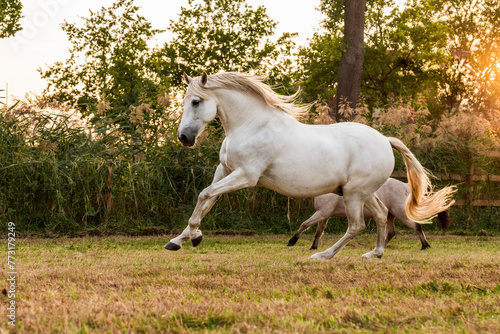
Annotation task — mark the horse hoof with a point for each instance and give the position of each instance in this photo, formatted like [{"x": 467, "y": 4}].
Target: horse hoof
[
  {"x": 318, "y": 256},
  {"x": 425, "y": 246},
  {"x": 293, "y": 240},
  {"x": 196, "y": 241},
  {"x": 313, "y": 247},
  {"x": 171, "y": 246},
  {"x": 372, "y": 255}
]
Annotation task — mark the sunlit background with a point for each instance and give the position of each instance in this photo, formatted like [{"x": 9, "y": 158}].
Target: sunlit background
[{"x": 43, "y": 42}]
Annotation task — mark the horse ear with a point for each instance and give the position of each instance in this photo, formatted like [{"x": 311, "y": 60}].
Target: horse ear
[
  {"x": 204, "y": 78},
  {"x": 187, "y": 78}
]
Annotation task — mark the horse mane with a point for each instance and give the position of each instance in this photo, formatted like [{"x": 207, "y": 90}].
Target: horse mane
[{"x": 245, "y": 82}]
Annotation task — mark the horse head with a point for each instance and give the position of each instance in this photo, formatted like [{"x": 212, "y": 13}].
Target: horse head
[{"x": 199, "y": 109}]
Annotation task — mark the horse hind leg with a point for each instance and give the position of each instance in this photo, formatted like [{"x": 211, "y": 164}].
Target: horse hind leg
[
  {"x": 421, "y": 236},
  {"x": 314, "y": 219},
  {"x": 391, "y": 231},
  {"x": 319, "y": 232},
  {"x": 379, "y": 213},
  {"x": 417, "y": 228},
  {"x": 356, "y": 224}
]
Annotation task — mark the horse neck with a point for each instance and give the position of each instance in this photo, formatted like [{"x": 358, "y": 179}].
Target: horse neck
[{"x": 236, "y": 110}]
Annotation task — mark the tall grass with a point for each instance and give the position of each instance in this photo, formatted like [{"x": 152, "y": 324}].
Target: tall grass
[{"x": 55, "y": 179}]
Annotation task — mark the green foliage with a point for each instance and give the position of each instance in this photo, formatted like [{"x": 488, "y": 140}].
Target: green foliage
[
  {"x": 474, "y": 40},
  {"x": 10, "y": 14},
  {"x": 117, "y": 73},
  {"x": 403, "y": 50},
  {"x": 217, "y": 35},
  {"x": 318, "y": 68}
]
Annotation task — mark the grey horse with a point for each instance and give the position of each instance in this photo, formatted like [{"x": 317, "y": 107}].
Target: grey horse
[{"x": 392, "y": 193}]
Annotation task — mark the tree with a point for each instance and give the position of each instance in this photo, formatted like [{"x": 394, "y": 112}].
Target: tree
[
  {"x": 110, "y": 63},
  {"x": 111, "y": 76},
  {"x": 351, "y": 62},
  {"x": 403, "y": 51},
  {"x": 348, "y": 75},
  {"x": 473, "y": 75},
  {"x": 217, "y": 35},
  {"x": 10, "y": 13}
]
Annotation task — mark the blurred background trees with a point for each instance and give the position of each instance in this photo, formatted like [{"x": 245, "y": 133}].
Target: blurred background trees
[
  {"x": 403, "y": 50},
  {"x": 110, "y": 63},
  {"x": 10, "y": 14},
  {"x": 216, "y": 35},
  {"x": 441, "y": 53}
]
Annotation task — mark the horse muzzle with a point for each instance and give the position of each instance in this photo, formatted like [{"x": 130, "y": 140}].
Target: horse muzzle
[{"x": 186, "y": 139}]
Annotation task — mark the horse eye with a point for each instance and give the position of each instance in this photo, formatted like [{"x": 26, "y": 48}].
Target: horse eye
[{"x": 195, "y": 102}]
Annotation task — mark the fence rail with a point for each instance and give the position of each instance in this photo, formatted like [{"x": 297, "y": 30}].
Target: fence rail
[
  {"x": 6, "y": 97},
  {"x": 469, "y": 180},
  {"x": 455, "y": 177}
]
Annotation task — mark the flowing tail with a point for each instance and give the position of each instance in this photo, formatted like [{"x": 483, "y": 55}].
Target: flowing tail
[{"x": 423, "y": 204}]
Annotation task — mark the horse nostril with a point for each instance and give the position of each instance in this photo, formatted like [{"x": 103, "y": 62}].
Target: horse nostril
[{"x": 183, "y": 139}]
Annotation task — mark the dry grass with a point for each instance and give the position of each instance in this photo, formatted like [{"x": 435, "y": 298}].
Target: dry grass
[{"x": 255, "y": 284}]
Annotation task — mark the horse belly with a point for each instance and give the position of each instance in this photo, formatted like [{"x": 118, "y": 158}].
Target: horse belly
[
  {"x": 291, "y": 188},
  {"x": 302, "y": 179},
  {"x": 340, "y": 211}
]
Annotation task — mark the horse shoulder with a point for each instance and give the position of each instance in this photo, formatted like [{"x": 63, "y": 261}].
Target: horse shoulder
[{"x": 247, "y": 153}]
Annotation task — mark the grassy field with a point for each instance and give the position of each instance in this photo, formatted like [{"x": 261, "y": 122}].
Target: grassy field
[{"x": 255, "y": 284}]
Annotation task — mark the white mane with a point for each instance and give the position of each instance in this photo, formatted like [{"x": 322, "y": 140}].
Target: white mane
[{"x": 245, "y": 82}]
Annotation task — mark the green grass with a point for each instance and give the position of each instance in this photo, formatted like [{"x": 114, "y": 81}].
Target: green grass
[{"x": 255, "y": 284}]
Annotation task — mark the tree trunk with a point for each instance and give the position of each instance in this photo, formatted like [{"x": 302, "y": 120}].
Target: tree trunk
[{"x": 351, "y": 62}]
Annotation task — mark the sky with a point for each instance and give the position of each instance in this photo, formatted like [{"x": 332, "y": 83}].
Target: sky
[{"x": 42, "y": 41}]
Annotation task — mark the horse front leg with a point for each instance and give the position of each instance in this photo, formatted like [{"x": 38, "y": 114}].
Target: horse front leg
[
  {"x": 191, "y": 232},
  {"x": 175, "y": 244},
  {"x": 223, "y": 183}
]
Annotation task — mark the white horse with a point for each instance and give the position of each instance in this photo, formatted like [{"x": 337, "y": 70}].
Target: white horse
[
  {"x": 393, "y": 195},
  {"x": 266, "y": 146}
]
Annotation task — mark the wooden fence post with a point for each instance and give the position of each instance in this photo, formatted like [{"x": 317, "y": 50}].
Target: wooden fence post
[
  {"x": 108, "y": 197},
  {"x": 470, "y": 185}
]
